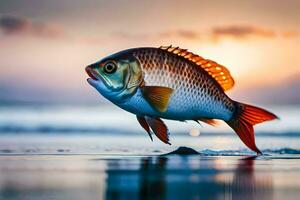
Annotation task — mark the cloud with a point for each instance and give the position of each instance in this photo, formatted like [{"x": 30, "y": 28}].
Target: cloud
[
  {"x": 13, "y": 25},
  {"x": 181, "y": 33},
  {"x": 290, "y": 34},
  {"x": 242, "y": 31},
  {"x": 24, "y": 27},
  {"x": 20, "y": 26}
]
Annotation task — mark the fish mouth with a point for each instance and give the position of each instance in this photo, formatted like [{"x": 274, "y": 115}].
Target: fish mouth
[
  {"x": 91, "y": 73},
  {"x": 94, "y": 77}
]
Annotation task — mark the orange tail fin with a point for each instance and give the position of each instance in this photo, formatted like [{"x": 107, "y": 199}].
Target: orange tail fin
[{"x": 243, "y": 120}]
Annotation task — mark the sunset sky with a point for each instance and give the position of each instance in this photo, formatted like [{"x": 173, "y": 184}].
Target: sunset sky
[{"x": 45, "y": 45}]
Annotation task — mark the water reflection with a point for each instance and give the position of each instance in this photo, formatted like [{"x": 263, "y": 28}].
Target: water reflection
[
  {"x": 167, "y": 177},
  {"x": 153, "y": 179},
  {"x": 190, "y": 177},
  {"x": 247, "y": 184}
]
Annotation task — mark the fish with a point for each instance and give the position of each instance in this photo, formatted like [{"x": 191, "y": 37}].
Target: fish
[{"x": 173, "y": 83}]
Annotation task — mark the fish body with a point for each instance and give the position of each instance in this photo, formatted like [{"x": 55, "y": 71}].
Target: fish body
[
  {"x": 172, "y": 83},
  {"x": 189, "y": 82}
]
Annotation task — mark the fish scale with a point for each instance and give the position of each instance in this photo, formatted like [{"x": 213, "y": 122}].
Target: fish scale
[{"x": 195, "y": 92}]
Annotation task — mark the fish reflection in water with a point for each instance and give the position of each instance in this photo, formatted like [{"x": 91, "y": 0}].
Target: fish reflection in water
[
  {"x": 188, "y": 177},
  {"x": 247, "y": 184}
]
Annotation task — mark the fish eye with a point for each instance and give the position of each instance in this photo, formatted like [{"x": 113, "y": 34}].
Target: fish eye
[{"x": 110, "y": 67}]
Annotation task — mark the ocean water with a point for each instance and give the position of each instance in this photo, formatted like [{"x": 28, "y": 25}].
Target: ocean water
[
  {"x": 98, "y": 129},
  {"x": 106, "y": 118},
  {"x": 100, "y": 152}
]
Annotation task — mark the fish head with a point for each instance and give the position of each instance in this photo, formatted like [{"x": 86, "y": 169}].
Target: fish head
[{"x": 116, "y": 77}]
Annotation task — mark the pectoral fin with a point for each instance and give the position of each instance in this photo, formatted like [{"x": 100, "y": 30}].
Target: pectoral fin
[
  {"x": 144, "y": 124},
  {"x": 159, "y": 129},
  {"x": 158, "y": 97}
]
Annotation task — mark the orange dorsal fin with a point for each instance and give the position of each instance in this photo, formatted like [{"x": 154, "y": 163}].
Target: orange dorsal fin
[{"x": 218, "y": 72}]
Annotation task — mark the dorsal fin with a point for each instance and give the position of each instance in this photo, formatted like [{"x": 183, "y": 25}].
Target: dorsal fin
[{"x": 220, "y": 73}]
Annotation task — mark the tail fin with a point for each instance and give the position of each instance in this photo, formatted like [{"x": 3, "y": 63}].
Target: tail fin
[{"x": 243, "y": 120}]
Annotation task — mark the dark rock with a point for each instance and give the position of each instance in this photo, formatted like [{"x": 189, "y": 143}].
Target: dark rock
[{"x": 183, "y": 151}]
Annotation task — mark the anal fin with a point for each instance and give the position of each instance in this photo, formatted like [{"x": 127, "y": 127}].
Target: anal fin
[
  {"x": 159, "y": 128},
  {"x": 144, "y": 124}
]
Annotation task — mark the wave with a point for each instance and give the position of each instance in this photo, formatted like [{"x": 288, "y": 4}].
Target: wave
[
  {"x": 181, "y": 151},
  {"x": 52, "y": 129},
  {"x": 266, "y": 152},
  {"x": 61, "y": 130}
]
